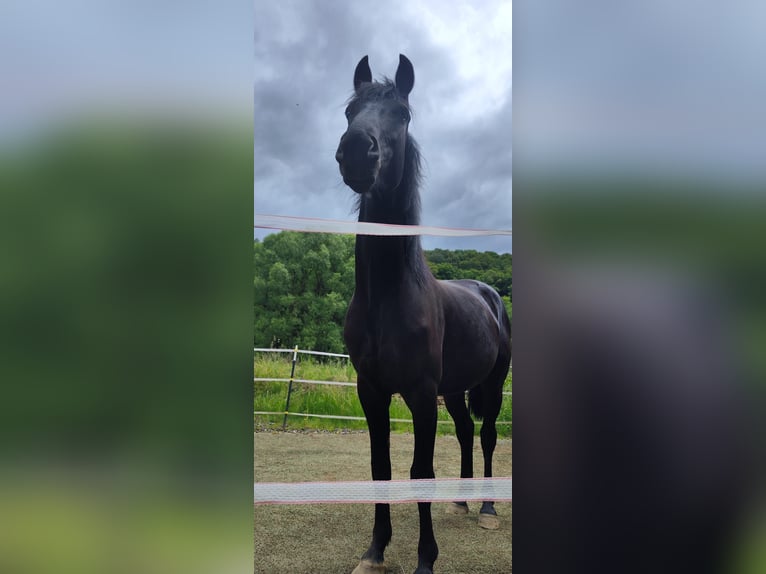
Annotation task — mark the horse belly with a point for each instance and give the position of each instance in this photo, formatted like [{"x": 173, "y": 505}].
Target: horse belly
[
  {"x": 472, "y": 345},
  {"x": 464, "y": 368}
]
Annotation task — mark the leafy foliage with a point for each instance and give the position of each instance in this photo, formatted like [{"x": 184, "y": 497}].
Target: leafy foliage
[
  {"x": 303, "y": 283},
  {"x": 302, "y": 286},
  {"x": 492, "y": 268}
]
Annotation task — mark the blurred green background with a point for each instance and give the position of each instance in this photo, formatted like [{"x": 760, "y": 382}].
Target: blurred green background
[{"x": 126, "y": 351}]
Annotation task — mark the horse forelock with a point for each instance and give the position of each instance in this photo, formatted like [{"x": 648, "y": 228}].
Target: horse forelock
[{"x": 376, "y": 91}]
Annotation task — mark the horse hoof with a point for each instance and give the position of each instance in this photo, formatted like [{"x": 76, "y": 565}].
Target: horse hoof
[
  {"x": 455, "y": 508},
  {"x": 489, "y": 521},
  {"x": 367, "y": 567}
]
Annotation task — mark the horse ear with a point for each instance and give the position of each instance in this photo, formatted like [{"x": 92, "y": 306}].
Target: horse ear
[
  {"x": 405, "y": 76},
  {"x": 362, "y": 73}
]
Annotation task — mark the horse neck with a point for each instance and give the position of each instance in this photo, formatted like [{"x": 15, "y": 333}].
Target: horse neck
[{"x": 384, "y": 264}]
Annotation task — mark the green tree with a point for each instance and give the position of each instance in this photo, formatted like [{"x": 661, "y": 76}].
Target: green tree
[
  {"x": 303, "y": 283},
  {"x": 493, "y": 269}
]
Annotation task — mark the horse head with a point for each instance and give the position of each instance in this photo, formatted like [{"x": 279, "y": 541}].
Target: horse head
[{"x": 372, "y": 151}]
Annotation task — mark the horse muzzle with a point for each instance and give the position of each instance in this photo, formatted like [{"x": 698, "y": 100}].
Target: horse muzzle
[{"x": 358, "y": 158}]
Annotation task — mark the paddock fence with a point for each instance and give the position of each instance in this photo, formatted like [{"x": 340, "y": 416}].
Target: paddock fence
[
  {"x": 499, "y": 489},
  {"x": 292, "y": 380}
]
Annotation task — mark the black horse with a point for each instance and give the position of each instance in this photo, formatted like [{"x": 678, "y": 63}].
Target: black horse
[{"x": 407, "y": 332}]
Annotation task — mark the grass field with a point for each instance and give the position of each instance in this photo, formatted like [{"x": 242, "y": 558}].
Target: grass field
[{"x": 333, "y": 400}]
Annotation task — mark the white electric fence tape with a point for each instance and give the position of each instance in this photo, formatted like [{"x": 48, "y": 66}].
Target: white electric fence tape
[
  {"x": 384, "y": 491},
  {"x": 315, "y": 225},
  {"x": 307, "y": 381},
  {"x": 301, "y": 352}
]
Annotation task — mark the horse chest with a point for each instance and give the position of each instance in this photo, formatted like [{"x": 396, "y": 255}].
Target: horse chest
[{"x": 393, "y": 343}]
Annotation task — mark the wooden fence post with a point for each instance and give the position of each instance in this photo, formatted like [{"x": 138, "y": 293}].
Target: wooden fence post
[{"x": 290, "y": 386}]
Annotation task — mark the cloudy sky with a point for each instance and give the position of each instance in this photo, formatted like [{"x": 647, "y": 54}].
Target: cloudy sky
[
  {"x": 305, "y": 55},
  {"x": 672, "y": 87}
]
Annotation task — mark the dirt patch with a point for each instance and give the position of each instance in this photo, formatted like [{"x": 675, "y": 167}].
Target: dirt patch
[{"x": 330, "y": 538}]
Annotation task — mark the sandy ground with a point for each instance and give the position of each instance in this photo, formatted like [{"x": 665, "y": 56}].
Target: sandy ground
[{"x": 329, "y": 539}]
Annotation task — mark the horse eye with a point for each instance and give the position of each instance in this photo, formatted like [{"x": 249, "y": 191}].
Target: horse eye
[
  {"x": 405, "y": 116},
  {"x": 348, "y": 112}
]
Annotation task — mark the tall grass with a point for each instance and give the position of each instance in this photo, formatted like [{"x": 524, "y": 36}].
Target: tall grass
[{"x": 332, "y": 400}]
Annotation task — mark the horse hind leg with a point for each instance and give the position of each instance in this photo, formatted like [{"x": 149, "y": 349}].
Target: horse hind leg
[
  {"x": 492, "y": 398},
  {"x": 464, "y": 430},
  {"x": 488, "y": 515}
]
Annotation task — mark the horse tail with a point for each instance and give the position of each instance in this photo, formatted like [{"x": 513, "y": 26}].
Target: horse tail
[{"x": 476, "y": 402}]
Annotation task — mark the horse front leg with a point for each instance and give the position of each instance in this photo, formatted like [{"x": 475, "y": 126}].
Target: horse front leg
[
  {"x": 375, "y": 407},
  {"x": 423, "y": 407}
]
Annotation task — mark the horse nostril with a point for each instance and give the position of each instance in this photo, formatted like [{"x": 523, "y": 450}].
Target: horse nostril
[
  {"x": 339, "y": 156},
  {"x": 372, "y": 151}
]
